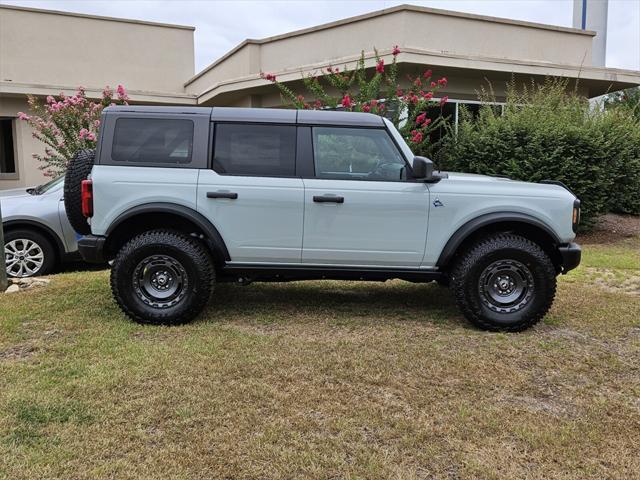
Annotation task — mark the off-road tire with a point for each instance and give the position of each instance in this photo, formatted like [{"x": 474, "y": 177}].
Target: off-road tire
[
  {"x": 79, "y": 169},
  {"x": 188, "y": 252},
  {"x": 49, "y": 253},
  {"x": 469, "y": 292}
]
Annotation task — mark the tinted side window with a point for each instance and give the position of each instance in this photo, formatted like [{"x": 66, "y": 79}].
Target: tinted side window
[
  {"x": 152, "y": 140},
  {"x": 245, "y": 149},
  {"x": 356, "y": 154}
]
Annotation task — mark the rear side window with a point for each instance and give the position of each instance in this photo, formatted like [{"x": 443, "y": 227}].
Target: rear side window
[
  {"x": 264, "y": 150},
  {"x": 153, "y": 140}
]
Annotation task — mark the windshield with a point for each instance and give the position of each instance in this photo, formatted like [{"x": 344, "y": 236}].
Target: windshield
[
  {"x": 45, "y": 187},
  {"x": 406, "y": 151}
]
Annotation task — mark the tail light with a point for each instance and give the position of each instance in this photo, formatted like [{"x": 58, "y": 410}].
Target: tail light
[
  {"x": 575, "y": 220},
  {"x": 86, "y": 197}
]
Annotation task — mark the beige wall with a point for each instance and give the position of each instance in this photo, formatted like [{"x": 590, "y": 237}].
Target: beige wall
[
  {"x": 40, "y": 47},
  {"x": 24, "y": 147},
  {"x": 413, "y": 28}
]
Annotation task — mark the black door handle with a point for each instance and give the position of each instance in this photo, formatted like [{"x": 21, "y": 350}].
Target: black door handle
[
  {"x": 327, "y": 199},
  {"x": 230, "y": 195}
]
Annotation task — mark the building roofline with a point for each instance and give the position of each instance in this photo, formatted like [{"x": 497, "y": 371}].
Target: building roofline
[
  {"x": 18, "y": 88},
  {"x": 96, "y": 17},
  {"x": 409, "y": 56},
  {"x": 387, "y": 11}
]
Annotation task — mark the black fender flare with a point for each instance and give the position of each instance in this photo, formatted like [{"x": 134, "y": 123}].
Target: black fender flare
[
  {"x": 210, "y": 231},
  {"x": 462, "y": 233},
  {"x": 58, "y": 242}
]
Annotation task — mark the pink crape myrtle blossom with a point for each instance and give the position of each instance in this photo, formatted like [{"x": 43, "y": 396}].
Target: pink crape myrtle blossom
[
  {"x": 378, "y": 90},
  {"x": 66, "y": 124}
]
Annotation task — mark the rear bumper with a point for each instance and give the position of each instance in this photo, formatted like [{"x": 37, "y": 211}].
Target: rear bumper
[
  {"x": 571, "y": 253},
  {"x": 91, "y": 248}
]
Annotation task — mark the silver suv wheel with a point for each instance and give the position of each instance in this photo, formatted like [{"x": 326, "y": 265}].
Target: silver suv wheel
[{"x": 24, "y": 257}]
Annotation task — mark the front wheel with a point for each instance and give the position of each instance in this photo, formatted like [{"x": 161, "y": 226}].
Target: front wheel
[
  {"x": 162, "y": 278},
  {"x": 504, "y": 283}
]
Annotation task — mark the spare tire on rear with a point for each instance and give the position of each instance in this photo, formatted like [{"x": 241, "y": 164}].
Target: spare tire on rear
[{"x": 79, "y": 169}]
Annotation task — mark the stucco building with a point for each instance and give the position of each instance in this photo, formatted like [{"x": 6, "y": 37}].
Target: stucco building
[{"x": 44, "y": 52}]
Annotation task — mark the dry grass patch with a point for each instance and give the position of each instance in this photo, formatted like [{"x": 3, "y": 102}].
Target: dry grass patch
[{"x": 321, "y": 380}]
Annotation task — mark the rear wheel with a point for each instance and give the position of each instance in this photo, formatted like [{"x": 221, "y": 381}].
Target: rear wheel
[
  {"x": 162, "y": 277},
  {"x": 28, "y": 253},
  {"x": 504, "y": 283}
]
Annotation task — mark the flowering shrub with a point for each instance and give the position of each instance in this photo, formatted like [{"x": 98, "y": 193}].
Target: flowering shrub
[
  {"x": 546, "y": 133},
  {"x": 377, "y": 92},
  {"x": 67, "y": 124}
]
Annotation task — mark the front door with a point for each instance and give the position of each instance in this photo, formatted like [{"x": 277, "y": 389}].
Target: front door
[
  {"x": 360, "y": 209},
  {"x": 252, "y": 195}
]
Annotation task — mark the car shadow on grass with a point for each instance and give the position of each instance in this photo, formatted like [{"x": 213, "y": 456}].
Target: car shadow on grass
[{"x": 338, "y": 302}]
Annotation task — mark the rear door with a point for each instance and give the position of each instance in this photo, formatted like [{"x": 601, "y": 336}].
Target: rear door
[
  {"x": 360, "y": 208},
  {"x": 251, "y": 192}
]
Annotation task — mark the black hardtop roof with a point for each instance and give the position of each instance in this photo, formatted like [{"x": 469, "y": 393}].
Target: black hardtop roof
[{"x": 262, "y": 115}]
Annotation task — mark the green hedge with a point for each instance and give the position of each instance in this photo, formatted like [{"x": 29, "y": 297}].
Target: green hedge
[{"x": 545, "y": 133}]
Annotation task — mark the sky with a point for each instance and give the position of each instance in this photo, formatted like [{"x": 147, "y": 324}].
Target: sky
[{"x": 222, "y": 24}]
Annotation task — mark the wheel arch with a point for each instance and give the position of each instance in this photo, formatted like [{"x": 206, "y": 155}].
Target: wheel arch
[
  {"x": 164, "y": 215},
  {"x": 41, "y": 228},
  {"x": 519, "y": 223}
]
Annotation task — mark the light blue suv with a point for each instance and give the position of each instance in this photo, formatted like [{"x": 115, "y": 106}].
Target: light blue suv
[
  {"x": 37, "y": 234},
  {"x": 181, "y": 198}
]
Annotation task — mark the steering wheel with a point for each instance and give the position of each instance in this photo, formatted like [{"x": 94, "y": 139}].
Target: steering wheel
[{"x": 386, "y": 171}]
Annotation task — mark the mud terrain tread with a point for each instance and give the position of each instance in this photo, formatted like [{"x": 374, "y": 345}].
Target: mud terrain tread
[
  {"x": 462, "y": 271},
  {"x": 79, "y": 169},
  {"x": 197, "y": 299}
]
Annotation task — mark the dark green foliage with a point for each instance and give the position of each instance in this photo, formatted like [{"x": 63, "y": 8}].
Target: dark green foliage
[{"x": 546, "y": 133}]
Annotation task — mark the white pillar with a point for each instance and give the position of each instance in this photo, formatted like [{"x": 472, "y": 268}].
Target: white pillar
[{"x": 592, "y": 15}]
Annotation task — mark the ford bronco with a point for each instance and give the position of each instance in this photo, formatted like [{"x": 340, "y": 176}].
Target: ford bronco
[{"x": 182, "y": 197}]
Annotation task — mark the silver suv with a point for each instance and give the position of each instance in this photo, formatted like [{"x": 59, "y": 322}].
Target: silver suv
[
  {"x": 181, "y": 198},
  {"x": 37, "y": 234}
]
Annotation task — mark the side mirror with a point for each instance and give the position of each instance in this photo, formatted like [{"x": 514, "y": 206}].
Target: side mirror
[{"x": 422, "y": 168}]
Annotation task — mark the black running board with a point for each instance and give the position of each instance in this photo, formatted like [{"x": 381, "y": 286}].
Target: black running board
[{"x": 274, "y": 273}]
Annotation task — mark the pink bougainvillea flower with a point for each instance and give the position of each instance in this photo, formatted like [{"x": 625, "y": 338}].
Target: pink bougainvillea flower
[
  {"x": 91, "y": 136},
  {"x": 268, "y": 76},
  {"x": 366, "y": 108},
  {"x": 374, "y": 102},
  {"x": 443, "y": 81},
  {"x": 23, "y": 116},
  {"x": 380, "y": 66},
  {"x": 421, "y": 118},
  {"x": 427, "y": 74},
  {"x": 417, "y": 82},
  {"x": 434, "y": 84},
  {"x": 122, "y": 93},
  {"x": 444, "y": 100},
  {"x": 83, "y": 133},
  {"x": 318, "y": 104},
  {"x": 50, "y": 99},
  {"x": 399, "y": 92},
  {"x": 346, "y": 102},
  {"x": 417, "y": 137},
  {"x": 426, "y": 122},
  {"x": 300, "y": 98},
  {"x": 395, "y": 51},
  {"x": 428, "y": 96}
]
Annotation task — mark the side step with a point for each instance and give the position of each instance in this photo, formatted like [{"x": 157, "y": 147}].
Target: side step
[{"x": 272, "y": 273}]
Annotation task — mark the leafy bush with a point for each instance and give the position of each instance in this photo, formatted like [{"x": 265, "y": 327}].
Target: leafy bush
[
  {"x": 67, "y": 124},
  {"x": 413, "y": 110},
  {"x": 545, "y": 133}
]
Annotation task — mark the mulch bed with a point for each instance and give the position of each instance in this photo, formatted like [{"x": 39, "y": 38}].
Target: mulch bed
[{"x": 611, "y": 228}]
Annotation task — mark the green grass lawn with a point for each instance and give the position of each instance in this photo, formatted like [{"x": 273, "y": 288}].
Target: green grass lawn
[{"x": 323, "y": 380}]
